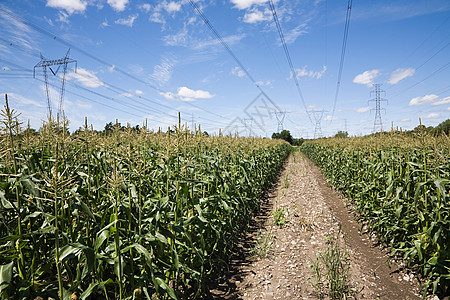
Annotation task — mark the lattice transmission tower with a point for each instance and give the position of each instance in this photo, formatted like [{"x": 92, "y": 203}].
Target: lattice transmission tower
[
  {"x": 377, "y": 123},
  {"x": 46, "y": 63},
  {"x": 317, "y": 116},
  {"x": 280, "y": 119}
]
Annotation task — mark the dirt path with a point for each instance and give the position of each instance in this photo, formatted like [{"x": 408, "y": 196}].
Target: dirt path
[{"x": 297, "y": 219}]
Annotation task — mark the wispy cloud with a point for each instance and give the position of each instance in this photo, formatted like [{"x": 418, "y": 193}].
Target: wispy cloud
[
  {"x": 236, "y": 71},
  {"x": 432, "y": 116},
  {"x": 118, "y": 5},
  {"x": 139, "y": 92},
  {"x": 362, "y": 109},
  {"x": 17, "y": 32},
  {"x": 366, "y": 77},
  {"x": 163, "y": 71},
  {"x": 164, "y": 7},
  {"x": 293, "y": 34},
  {"x": 442, "y": 101},
  {"x": 127, "y": 21},
  {"x": 405, "y": 120},
  {"x": 86, "y": 78},
  {"x": 262, "y": 83},
  {"x": 303, "y": 72},
  {"x": 187, "y": 94},
  {"x": 255, "y": 16},
  {"x": 244, "y": 4},
  {"x": 145, "y": 7},
  {"x": 400, "y": 74},
  {"x": 429, "y": 99},
  {"x": 331, "y": 118},
  {"x": 21, "y": 100},
  {"x": 70, "y": 6}
]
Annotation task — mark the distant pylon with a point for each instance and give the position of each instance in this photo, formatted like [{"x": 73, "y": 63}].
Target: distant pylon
[
  {"x": 377, "y": 123},
  {"x": 44, "y": 63},
  {"x": 317, "y": 117},
  {"x": 280, "y": 119}
]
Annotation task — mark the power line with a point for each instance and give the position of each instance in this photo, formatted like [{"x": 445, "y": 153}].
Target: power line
[
  {"x": 228, "y": 49},
  {"x": 429, "y": 76},
  {"x": 341, "y": 64},
  {"x": 102, "y": 61},
  {"x": 115, "y": 88},
  {"x": 288, "y": 57}
]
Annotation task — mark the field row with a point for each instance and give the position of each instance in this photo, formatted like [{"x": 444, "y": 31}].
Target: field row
[
  {"x": 128, "y": 215},
  {"x": 400, "y": 188}
]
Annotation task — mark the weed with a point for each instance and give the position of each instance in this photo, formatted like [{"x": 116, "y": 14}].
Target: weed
[
  {"x": 279, "y": 217},
  {"x": 330, "y": 270}
]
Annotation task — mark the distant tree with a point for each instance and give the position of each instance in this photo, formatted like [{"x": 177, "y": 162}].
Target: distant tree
[
  {"x": 298, "y": 142},
  {"x": 205, "y": 133},
  {"x": 284, "y": 135},
  {"x": 109, "y": 127},
  {"x": 443, "y": 127},
  {"x": 341, "y": 134}
]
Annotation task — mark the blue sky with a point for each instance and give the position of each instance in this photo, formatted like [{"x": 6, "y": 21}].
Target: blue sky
[{"x": 141, "y": 59}]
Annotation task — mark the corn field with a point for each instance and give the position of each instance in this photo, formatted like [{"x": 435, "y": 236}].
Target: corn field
[
  {"x": 400, "y": 188},
  {"x": 130, "y": 215}
]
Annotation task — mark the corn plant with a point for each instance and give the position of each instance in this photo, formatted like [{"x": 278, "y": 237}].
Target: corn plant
[
  {"x": 125, "y": 215},
  {"x": 400, "y": 188}
]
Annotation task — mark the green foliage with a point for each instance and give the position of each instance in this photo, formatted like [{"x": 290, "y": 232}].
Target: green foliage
[
  {"x": 341, "y": 134},
  {"x": 123, "y": 215},
  {"x": 284, "y": 135},
  {"x": 279, "y": 217},
  {"x": 399, "y": 186},
  {"x": 331, "y": 270}
]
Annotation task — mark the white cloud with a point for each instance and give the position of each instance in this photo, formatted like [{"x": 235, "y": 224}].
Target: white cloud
[
  {"x": 187, "y": 94},
  {"x": 400, "y": 74},
  {"x": 63, "y": 17},
  {"x": 86, "y": 78},
  {"x": 163, "y": 72},
  {"x": 230, "y": 40},
  {"x": 442, "y": 101},
  {"x": 366, "y": 77},
  {"x": 145, "y": 7},
  {"x": 362, "y": 109},
  {"x": 71, "y": 6},
  {"x": 171, "y": 6},
  {"x": 126, "y": 95},
  {"x": 104, "y": 23},
  {"x": 405, "y": 120},
  {"x": 244, "y": 4},
  {"x": 261, "y": 83},
  {"x": 49, "y": 21},
  {"x": 5, "y": 69},
  {"x": 111, "y": 68},
  {"x": 139, "y": 92},
  {"x": 127, "y": 21},
  {"x": 331, "y": 118},
  {"x": 118, "y": 5},
  {"x": 23, "y": 100},
  {"x": 432, "y": 116},
  {"x": 255, "y": 16},
  {"x": 238, "y": 72},
  {"x": 292, "y": 35},
  {"x": 163, "y": 6},
  {"x": 423, "y": 100},
  {"x": 303, "y": 72},
  {"x": 17, "y": 31}
]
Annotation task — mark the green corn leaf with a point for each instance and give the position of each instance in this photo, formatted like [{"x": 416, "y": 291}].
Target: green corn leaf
[
  {"x": 162, "y": 284},
  {"x": 6, "y": 273}
]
